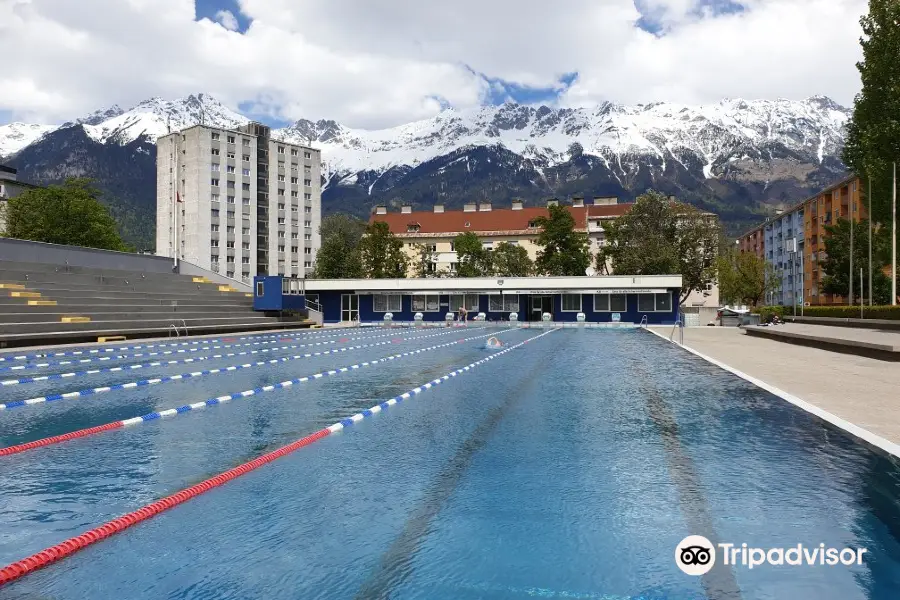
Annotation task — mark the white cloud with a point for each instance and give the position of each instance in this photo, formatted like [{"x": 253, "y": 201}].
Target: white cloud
[
  {"x": 227, "y": 19},
  {"x": 373, "y": 64}
]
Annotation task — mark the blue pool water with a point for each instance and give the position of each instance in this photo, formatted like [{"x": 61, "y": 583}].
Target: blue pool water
[{"x": 569, "y": 467}]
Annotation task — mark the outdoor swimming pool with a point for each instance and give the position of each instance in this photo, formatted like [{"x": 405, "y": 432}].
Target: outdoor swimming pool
[{"x": 570, "y": 466}]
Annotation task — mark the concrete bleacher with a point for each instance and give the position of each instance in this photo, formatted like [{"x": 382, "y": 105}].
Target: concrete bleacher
[{"x": 51, "y": 303}]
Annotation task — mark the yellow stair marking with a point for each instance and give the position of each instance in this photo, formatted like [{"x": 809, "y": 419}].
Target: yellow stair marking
[
  {"x": 227, "y": 288},
  {"x": 42, "y": 303},
  {"x": 24, "y": 294},
  {"x": 75, "y": 320},
  {"x": 201, "y": 280},
  {"x": 248, "y": 295},
  {"x": 112, "y": 338},
  {"x": 11, "y": 286}
]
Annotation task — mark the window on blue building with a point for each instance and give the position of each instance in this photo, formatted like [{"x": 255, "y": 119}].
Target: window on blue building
[
  {"x": 498, "y": 303},
  {"x": 655, "y": 302},
  {"x": 429, "y": 303},
  {"x": 470, "y": 301},
  {"x": 571, "y": 302},
  {"x": 610, "y": 303},
  {"x": 386, "y": 303}
]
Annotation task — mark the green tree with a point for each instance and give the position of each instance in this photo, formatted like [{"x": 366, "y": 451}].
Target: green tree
[
  {"x": 512, "y": 261},
  {"x": 873, "y": 132},
  {"x": 381, "y": 253},
  {"x": 472, "y": 258},
  {"x": 837, "y": 261},
  {"x": 424, "y": 265},
  {"x": 564, "y": 251},
  {"x": 745, "y": 278},
  {"x": 339, "y": 257},
  {"x": 70, "y": 214},
  {"x": 661, "y": 237}
]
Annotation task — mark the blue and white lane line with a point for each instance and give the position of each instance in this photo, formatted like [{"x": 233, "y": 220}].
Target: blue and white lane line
[
  {"x": 204, "y": 348},
  {"x": 172, "y": 412},
  {"x": 344, "y": 423},
  {"x": 195, "y": 374},
  {"x": 282, "y": 333},
  {"x": 284, "y": 384},
  {"x": 196, "y": 359}
]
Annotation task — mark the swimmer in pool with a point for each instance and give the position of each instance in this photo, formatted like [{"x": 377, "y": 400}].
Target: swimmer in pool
[{"x": 493, "y": 342}]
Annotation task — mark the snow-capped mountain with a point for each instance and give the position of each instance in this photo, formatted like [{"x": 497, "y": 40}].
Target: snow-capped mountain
[
  {"x": 15, "y": 136},
  {"x": 733, "y": 157}
]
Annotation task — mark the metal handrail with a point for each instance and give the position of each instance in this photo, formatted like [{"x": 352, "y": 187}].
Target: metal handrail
[
  {"x": 644, "y": 322},
  {"x": 186, "y": 333},
  {"x": 171, "y": 327}
]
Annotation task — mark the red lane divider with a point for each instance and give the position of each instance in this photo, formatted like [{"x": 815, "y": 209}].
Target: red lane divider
[
  {"x": 43, "y": 558},
  {"x": 65, "y": 437}
]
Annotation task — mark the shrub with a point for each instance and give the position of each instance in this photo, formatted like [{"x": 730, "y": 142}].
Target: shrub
[
  {"x": 852, "y": 312},
  {"x": 766, "y": 312}
]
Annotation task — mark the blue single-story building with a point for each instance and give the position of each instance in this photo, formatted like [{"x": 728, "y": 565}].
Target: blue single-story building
[{"x": 613, "y": 298}]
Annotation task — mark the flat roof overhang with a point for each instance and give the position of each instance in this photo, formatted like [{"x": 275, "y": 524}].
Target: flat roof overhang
[{"x": 611, "y": 284}]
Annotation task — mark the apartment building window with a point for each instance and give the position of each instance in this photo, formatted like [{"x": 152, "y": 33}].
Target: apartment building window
[
  {"x": 281, "y": 235},
  {"x": 229, "y": 229},
  {"x": 230, "y": 214},
  {"x": 281, "y": 248},
  {"x": 229, "y": 184},
  {"x": 214, "y": 212},
  {"x": 245, "y": 201},
  {"x": 214, "y": 135},
  {"x": 245, "y": 260},
  {"x": 214, "y": 166},
  {"x": 245, "y": 142},
  {"x": 293, "y": 152},
  {"x": 245, "y": 187},
  {"x": 245, "y": 172},
  {"x": 229, "y": 168},
  {"x": 230, "y": 155},
  {"x": 230, "y": 139},
  {"x": 307, "y": 264},
  {"x": 245, "y": 245},
  {"x": 230, "y": 199},
  {"x": 281, "y": 192},
  {"x": 295, "y": 180},
  {"x": 295, "y": 195},
  {"x": 214, "y": 182},
  {"x": 245, "y": 158},
  {"x": 307, "y": 236},
  {"x": 307, "y": 155},
  {"x": 245, "y": 231},
  {"x": 230, "y": 273},
  {"x": 307, "y": 196},
  {"x": 307, "y": 223},
  {"x": 281, "y": 206},
  {"x": 214, "y": 258},
  {"x": 281, "y": 178},
  {"x": 295, "y": 249},
  {"x": 294, "y": 209},
  {"x": 214, "y": 243},
  {"x": 281, "y": 220},
  {"x": 307, "y": 182},
  {"x": 307, "y": 251},
  {"x": 280, "y": 149},
  {"x": 212, "y": 227},
  {"x": 307, "y": 210},
  {"x": 295, "y": 236},
  {"x": 215, "y": 151},
  {"x": 294, "y": 168},
  {"x": 214, "y": 197},
  {"x": 229, "y": 244}
]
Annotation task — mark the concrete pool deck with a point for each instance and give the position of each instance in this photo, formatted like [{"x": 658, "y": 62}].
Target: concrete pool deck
[
  {"x": 862, "y": 391},
  {"x": 872, "y": 342}
]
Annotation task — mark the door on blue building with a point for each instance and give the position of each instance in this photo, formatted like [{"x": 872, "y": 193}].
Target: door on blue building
[
  {"x": 349, "y": 307},
  {"x": 540, "y": 305}
]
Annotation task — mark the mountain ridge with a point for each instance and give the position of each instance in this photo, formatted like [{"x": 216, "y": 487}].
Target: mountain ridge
[{"x": 736, "y": 155}]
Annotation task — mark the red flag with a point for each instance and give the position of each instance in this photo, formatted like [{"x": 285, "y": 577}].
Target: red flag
[{"x": 178, "y": 197}]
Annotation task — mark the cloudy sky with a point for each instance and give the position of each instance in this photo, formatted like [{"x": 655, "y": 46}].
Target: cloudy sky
[{"x": 377, "y": 63}]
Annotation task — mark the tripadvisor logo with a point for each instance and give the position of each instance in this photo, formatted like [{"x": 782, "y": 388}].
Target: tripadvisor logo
[{"x": 696, "y": 555}]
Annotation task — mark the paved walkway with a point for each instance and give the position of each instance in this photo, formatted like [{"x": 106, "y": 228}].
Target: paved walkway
[{"x": 863, "y": 391}]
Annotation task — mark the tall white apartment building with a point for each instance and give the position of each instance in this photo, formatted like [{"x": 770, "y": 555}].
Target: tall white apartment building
[{"x": 238, "y": 202}]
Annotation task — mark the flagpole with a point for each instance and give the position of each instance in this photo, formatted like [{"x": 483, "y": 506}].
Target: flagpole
[
  {"x": 894, "y": 241},
  {"x": 871, "y": 295},
  {"x": 850, "y": 202}
]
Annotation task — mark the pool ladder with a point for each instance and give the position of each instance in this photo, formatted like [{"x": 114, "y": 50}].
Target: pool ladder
[{"x": 679, "y": 324}]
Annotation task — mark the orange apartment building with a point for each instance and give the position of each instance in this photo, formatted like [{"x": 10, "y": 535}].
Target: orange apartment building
[{"x": 805, "y": 221}]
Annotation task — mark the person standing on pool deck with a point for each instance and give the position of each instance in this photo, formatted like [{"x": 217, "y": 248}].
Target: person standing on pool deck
[{"x": 463, "y": 314}]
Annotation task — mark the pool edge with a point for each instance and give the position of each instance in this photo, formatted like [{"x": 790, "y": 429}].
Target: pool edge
[{"x": 874, "y": 441}]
